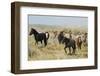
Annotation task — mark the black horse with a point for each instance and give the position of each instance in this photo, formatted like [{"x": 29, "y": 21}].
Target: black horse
[
  {"x": 69, "y": 43},
  {"x": 39, "y": 37},
  {"x": 60, "y": 37}
]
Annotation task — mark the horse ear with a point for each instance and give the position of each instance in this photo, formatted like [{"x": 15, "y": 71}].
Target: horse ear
[{"x": 31, "y": 28}]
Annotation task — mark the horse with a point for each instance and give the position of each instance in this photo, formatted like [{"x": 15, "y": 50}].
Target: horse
[
  {"x": 60, "y": 37},
  {"x": 69, "y": 43},
  {"x": 39, "y": 37},
  {"x": 84, "y": 39},
  {"x": 79, "y": 42}
]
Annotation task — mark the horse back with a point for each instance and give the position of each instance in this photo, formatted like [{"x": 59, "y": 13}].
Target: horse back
[{"x": 40, "y": 36}]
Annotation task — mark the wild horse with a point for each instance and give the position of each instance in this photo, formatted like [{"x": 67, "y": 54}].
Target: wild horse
[
  {"x": 79, "y": 42},
  {"x": 69, "y": 43},
  {"x": 39, "y": 37}
]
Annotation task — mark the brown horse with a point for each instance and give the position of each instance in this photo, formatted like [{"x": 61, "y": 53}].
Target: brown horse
[{"x": 79, "y": 42}]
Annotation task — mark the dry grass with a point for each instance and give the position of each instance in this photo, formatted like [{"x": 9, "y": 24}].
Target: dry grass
[{"x": 53, "y": 50}]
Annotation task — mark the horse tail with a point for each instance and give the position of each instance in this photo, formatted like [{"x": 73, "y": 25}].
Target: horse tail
[{"x": 47, "y": 35}]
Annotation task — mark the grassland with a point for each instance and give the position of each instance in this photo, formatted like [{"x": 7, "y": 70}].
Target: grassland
[{"x": 53, "y": 50}]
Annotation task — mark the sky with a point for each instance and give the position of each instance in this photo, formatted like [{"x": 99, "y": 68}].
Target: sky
[{"x": 58, "y": 20}]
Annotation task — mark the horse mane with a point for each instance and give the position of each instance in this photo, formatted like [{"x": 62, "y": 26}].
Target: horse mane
[
  {"x": 39, "y": 36},
  {"x": 35, "y": 32}
]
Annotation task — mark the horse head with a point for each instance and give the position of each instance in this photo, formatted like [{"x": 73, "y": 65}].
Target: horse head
[
  {"x": 65, "y": 40},
  {"x": 33, "y": 31}
]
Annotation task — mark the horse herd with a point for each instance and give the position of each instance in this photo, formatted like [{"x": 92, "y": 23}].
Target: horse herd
[{"x": 69, "y": 40}]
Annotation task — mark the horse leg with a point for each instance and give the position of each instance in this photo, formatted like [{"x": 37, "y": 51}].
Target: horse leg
[
  {"x": 80, "y": 46},
  {"x": 65, "y": 49},
  {"x": 41, "y": 41},
  {"x": 59, "y": 41},
  {"x": 69, "y": 51},
  {"x": 45, "y": 42},
  {"x": 73, "y": 51},
  {"x": 36, "y": 42}
]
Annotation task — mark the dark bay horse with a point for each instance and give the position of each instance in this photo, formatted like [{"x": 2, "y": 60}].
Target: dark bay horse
[
  {"x": 60, "y": 37},
  {"x": 39, "y": 37},
  {"x": 69, "y": 43}
]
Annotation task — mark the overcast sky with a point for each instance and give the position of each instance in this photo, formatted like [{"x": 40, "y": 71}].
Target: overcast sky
[{"x": 58, "y": 20}]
